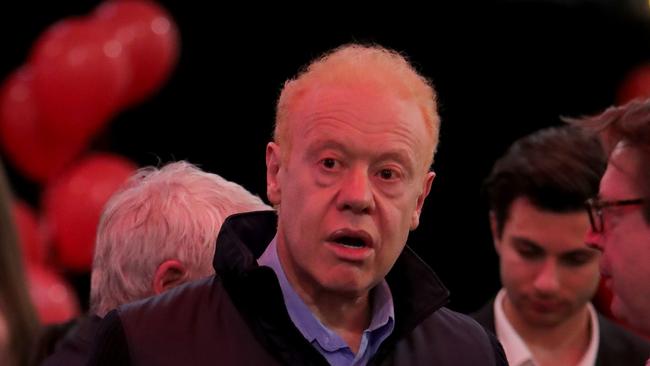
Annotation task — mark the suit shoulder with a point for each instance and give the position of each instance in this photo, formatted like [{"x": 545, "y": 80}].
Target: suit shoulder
[
  {"x": 613, "y": 334},
  {"x": 458, "y": 337}
]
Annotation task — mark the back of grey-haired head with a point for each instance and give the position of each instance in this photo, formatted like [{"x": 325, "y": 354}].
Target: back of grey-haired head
[{"x": 174, "y": 212}]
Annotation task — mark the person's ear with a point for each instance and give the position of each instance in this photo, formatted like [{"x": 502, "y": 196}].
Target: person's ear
[
  {"x": 273, "y": 173},
  {"x": 496, "y": 238},
  {"x": 169, "y": 274},
  {"x": 426, "y": 188}
]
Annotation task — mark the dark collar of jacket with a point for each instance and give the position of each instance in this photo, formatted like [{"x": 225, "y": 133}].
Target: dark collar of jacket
[
  {"x": 417, "y": 291},
  {"x": 616, "y": 346}
]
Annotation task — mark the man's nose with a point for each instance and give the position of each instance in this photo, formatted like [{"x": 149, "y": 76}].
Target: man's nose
[
  {"x": 355, "y": 193},
  {"x": 547, "y": 280}
]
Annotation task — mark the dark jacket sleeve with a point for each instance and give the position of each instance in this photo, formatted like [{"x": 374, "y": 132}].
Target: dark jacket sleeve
[{"x": 110, "y": 346}]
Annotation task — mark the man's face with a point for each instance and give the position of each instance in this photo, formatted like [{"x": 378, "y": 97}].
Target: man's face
[
  {"x": 547, "y": 271},
  {"x": 350, "y": 189},
  {"x": 625, "y": 241}
]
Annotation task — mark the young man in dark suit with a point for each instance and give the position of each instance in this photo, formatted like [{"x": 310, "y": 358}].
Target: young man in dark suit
[{"x": 543, "y": 315}]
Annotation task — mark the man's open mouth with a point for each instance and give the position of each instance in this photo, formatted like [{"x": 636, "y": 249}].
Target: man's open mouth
[{"x": 351, "y": 238}]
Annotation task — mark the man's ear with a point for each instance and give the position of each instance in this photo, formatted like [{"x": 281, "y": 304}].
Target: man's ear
[
  {"x": 426, "y": 188},
  {"x": 496, "y": 238},
  {"x": 273, "y": 174},
  {"x": 169, "y": 274}
]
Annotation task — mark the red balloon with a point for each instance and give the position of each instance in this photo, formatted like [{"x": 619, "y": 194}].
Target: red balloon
[
  {"x": 55, "y": 301},
  {"x": 73, "y": 204},
  {"x": 636, "y": 85},
  {"x": 149, "y": 36},
  {"x": 30, "y": 236},
  {"x": 80, "y": 73},
  {"x": 27, "y": 144}
]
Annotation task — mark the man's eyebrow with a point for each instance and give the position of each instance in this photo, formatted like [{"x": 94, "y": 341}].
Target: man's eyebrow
[
  {"x": 319, "y": 145},
  {"x": 525, "y": 241},
  {"x": 402, "y": 156},
  {"x": 323, "y": 144},
  {"x": 580, "y": 251}
]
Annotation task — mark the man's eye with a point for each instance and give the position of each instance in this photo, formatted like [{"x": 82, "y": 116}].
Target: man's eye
[
  {"x": 576, "y": 260},
  {"x": 387, "y": 174},
  {"x": 328, "y": 163},
  {"x": 530, "y": 253}
]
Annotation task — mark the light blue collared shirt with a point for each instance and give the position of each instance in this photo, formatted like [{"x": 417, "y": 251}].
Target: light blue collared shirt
[{"x": 328, "y": 343}]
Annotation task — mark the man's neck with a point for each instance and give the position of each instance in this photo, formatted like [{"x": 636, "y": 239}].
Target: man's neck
[
  {"x": 346, "y": 316},
  {"x": 563, "y": 343}
]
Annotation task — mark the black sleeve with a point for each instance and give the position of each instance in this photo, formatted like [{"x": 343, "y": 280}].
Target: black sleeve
[{"x": 110, "y": 346}]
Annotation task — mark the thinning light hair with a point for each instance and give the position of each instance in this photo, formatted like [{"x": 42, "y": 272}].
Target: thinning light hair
[
  {"x": 629, "y": 125},
  {"x": 174, "y": 212},
  {"x": 354, "y": 65}
]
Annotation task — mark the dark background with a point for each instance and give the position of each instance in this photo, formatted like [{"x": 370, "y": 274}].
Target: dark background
[{"x": 502, "y": 70}]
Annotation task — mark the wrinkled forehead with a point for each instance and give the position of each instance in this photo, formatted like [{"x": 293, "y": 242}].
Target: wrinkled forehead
[
  {"x": 359, "y": 104},
  {"x": 363, "y": 108},
  {"x": 358, "y": 96}
]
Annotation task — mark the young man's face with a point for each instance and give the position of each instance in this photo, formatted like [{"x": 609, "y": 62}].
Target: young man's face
[
  {"x": 548, "y": 272},
  {"x": 625, "y": 241},
  {"x": 350, "y": 189}
]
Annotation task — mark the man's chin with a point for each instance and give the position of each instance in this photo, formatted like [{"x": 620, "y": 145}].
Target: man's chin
[
  {"x": 620, "y": 311},
  {"x": 347, "y": 287},
  {"x": 640, "y": 323},
  {"x": 351, "y": 290},
  {"x": 545, "y": 320}
]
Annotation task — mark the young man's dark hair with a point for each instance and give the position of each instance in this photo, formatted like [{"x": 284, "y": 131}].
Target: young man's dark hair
[{"x": 557, "y": 169}]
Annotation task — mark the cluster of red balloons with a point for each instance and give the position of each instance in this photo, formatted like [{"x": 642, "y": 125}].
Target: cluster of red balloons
[
  {"x": 62, "y": 238},
  {"x": 54, "y": 299},
  {"x": 73, "y": 203},
  {"x": 80, "y": 73}
]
